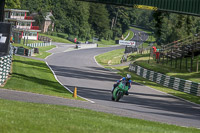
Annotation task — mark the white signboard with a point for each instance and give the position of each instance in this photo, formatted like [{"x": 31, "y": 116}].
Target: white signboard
[
  {"x": 122, "y": 42},
  {"x": 2, "y": 39}
]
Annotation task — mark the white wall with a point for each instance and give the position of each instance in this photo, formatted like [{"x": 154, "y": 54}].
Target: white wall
[{"x": 30, "y": 37}]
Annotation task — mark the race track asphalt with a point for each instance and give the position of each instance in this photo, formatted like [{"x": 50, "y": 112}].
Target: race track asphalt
[{"x": 78, "y": 68}]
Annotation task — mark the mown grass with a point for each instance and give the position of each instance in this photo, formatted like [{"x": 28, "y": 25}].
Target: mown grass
[
  {"x": 104, "y": 43},
  {"x": 42, "y": 51},
  {"x": 166, "y": 68},
  {"x": 34, "y": 76},
  {"x": 150, "y": 39},
  {"x": 131, "y": 35},
  {"x": 107, "y": 42},
  {"x": 140, "y": 29},
  {"x": 56, "y": 39},
  {"x": 20, "y": 117},
  {"x": 30, "y": 41},
  {"x": 22, "y": 45},
  {"x": 110, "y": 58},
  {"x": 114, "y": 58},
  {"x": 124, "y": 70}
]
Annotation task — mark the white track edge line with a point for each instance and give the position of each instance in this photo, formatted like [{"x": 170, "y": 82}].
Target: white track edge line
[
  {"x": 100, "y": 64},
  {"x": 150, "y": 87},
  {"x": 49, "y": 55},
  {"x": 170, "y": 94},
  {"x": 65, "y": 86}
]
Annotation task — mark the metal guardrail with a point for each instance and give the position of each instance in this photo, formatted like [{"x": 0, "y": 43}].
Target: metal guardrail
[
  {"x": 167, "y": 81},
  {"x": 44, "y": 38},
  {"x": 39, "y": 44}
]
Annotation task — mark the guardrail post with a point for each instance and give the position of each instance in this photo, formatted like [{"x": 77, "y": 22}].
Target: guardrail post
[
  {"x": 171, "y": 56},
  {"x": 192, "y": 58}
]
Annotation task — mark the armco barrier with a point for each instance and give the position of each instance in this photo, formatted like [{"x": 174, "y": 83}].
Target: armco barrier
[
  {"x": 5, "y": 65},
  {"x": 167, "y": 81},
  {"x": 87, "y": 45},
  {"x": 39, "y": 44},
  {"x": 24, "y": 51}
]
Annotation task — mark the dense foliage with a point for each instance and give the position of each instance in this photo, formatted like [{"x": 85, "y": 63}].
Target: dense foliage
[
  {"x": 81, "y": 19},
  {"x": 87, "y": 20}
]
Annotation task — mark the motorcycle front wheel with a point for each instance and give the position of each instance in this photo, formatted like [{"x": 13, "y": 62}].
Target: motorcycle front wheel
[{"x": 119, "y": 95}]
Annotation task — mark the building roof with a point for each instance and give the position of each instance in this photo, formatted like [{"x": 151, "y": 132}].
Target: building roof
[
  {"x": 19, "y": 20},
  {"x": 24, "y": 30},
  {"x": 15, "y": 10},
  {"x": 48, "y": 16}
]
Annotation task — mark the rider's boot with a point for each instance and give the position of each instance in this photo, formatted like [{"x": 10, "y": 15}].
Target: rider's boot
[{"x": 126, "y": 93}]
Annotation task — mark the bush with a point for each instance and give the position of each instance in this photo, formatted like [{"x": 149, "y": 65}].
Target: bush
[
  {"x": 62, "y": 35},
  {"x": 53, "y": 34}
]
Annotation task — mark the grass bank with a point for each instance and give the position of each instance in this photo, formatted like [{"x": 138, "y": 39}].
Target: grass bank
[
  {"x": 165, "y": 68},
  {"x": 150, "y": 39},
  {"x": 131, "y": 35},
  {"x": 56, "y": 39},
  {"x": 110, "y": 58},
  {"x": 34, "y": 76},
  {"x": 42, "y": 51},
  {"x": 113, "y": 57},
  {"x": 104, "y": 43},
  {"x": 21, "y": 45},
  {"x": 20, "y": 117},
  {"x": 28, "y": 42}
]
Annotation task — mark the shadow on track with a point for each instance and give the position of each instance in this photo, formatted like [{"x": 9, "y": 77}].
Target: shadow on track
[
  {"x": 72, "y": 72},
  {"x": 140, "y": 100}
]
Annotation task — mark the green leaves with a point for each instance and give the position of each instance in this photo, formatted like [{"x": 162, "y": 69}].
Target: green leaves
[
  {"x": 99, "y": 20},
  {"x": 81, "y": 19},
  {"x": 12, "y": 4}
]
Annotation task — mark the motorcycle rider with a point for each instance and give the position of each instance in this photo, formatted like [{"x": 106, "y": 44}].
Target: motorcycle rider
[{"x": 128, "y": 83}]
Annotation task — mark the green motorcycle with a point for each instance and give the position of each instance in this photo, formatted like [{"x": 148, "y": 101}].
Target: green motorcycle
[{"x": 119, "y": 91}]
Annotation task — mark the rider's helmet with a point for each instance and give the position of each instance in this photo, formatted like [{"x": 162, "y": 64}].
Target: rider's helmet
[{"x": 128, "y": 76}]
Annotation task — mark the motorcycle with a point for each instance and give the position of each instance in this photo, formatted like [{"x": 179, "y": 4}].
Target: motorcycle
[{"x": 119, "y": 91}]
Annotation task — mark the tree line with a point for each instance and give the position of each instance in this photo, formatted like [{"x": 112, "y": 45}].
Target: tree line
[{"x": 87, "y": 20}]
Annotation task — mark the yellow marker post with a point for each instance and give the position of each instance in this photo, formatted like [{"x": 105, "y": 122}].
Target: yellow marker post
[{"x": 75, "y": 92}]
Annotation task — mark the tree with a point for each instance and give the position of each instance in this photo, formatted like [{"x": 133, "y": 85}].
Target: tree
[
  {"x": 13, "y": 4},
  {"x": 99, "y": 20},
  {"x": 2, "y": 4}
]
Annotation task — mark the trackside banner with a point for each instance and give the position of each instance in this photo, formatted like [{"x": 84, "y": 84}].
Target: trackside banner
[{"x": 122, "y": 42}]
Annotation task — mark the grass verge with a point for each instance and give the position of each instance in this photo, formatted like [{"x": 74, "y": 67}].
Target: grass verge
[
  {"x": 20, "y": 117},
  {"x": 168, "y": 70},
  {"x": 113, "y": 58},
  {"x": 56, "y": 39},
  {"x": 20, "y": 45},
  {"x": 150, "y": 39},
  {"x": 110, "y": 58},
  {"x": 131, "y": 35},
  {"x": 42, "y": 51},
  {"x": 29, "y": 42},
  {"x": 124, "y": 70},
  {"x": 34, "y": 76}
]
